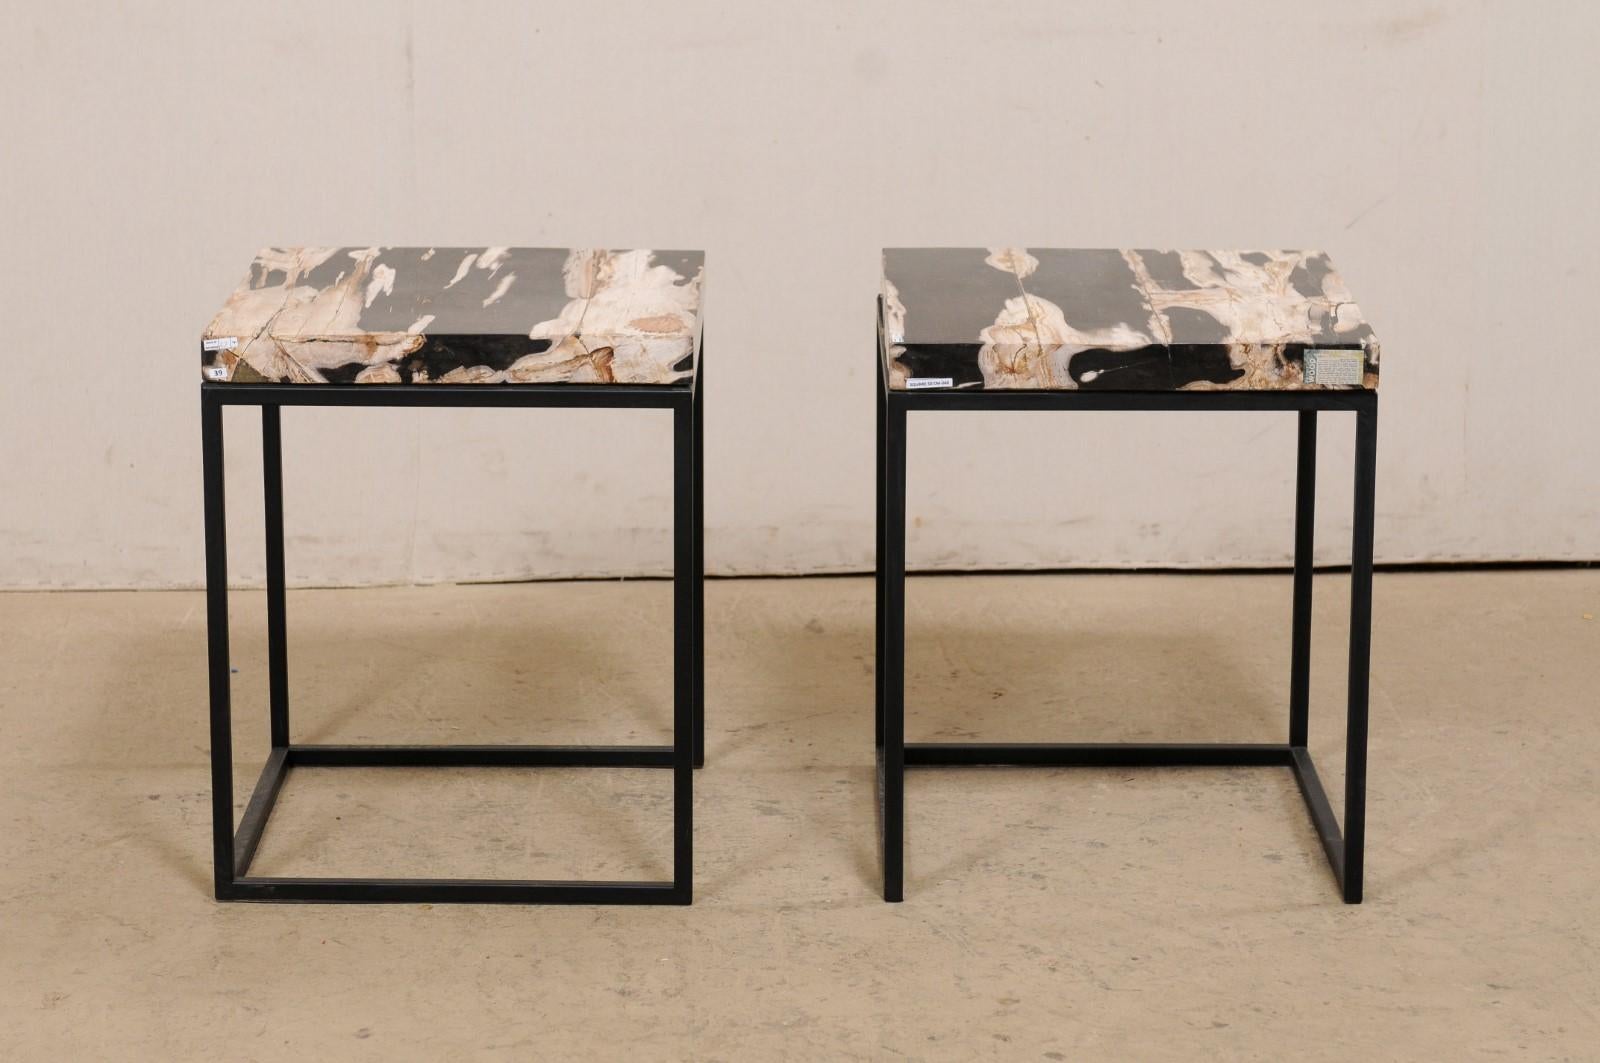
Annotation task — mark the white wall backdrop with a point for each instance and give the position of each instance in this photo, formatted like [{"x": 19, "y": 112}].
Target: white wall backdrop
[{"x": 1445, "y": 153}]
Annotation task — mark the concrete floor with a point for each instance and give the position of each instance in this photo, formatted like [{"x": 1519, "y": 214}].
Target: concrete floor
[{"x": 1059, "y": 914}]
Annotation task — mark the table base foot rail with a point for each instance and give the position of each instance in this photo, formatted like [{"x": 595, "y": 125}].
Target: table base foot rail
[
  {"x": 1096, "y": 755},
  {"x": 479, "y": 756},
  {"x": 451, "y": 891}
]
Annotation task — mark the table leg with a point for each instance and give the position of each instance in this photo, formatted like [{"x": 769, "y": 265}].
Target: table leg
[
  {"x": 1305, "y": 511},
  {"x": 699, "y": 562},
  {"x": 894, "y": 653},
  {"x": 216, "y": 530},
  {"x": 277, "y": 620},
  {"x": 1355, "y": 771},
  {"x": 683, "y": 647}
]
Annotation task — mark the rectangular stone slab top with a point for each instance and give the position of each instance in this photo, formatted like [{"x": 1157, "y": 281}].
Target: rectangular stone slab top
[
  {"x": 1012, "y": 318},
  {"x": 459, "y": 315}
]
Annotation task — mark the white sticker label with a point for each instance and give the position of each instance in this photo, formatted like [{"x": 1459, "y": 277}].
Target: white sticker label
[
  {"x": 915, "y": 382},
  {"x": 216, "y": 372},
  {"x": 222, "y": 343},
  {"x": 1334, "y": 368}
]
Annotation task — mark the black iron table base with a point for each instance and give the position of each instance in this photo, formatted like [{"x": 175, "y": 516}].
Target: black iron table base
[
  {"x": 894, "y": 755},
  {"x": 234, "y": 850}
]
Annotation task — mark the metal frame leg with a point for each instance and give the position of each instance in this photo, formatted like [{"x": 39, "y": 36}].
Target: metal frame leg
[
  {"x": 1305, "y": 514},
  {"x": 233, "y": 849},
  {"x": 892, "y": 756},
  {"x": 699, "y": 564},
  {"x": 878, "y": 563},
  {"x": 216, "y": 530},
  {"x": 684, "y": 646},
  {"x": 1355, "y": 762},
  {"x": 1345, "y": 849},
  {"x": 277, "y": 619}
]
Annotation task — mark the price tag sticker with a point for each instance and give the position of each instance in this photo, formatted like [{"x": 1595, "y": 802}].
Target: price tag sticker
[{"x": 1334, "y": 368}]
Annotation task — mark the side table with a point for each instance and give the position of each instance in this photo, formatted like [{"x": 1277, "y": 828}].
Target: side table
[
  {"x": 1076, "y": 329},
  {"x": 433, "y": 327}
]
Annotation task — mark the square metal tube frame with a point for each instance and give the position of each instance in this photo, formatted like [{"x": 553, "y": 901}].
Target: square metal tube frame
[
  {"x": 1345, "y": 849},
  {"x": 233, "y": 850}
]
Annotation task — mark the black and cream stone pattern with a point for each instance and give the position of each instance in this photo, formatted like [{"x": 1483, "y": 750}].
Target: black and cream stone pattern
[
  {"x": 459, "y": 315},
  {"x": 1128, "y": 320}
]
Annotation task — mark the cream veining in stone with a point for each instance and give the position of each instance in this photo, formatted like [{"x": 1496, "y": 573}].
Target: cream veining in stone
[{"x": 497, "y": 315}]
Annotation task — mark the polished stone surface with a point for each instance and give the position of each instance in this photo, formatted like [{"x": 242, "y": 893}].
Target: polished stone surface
[
  {"x": 455, "y": 315},
  {"x": 1128, "y": 320}
]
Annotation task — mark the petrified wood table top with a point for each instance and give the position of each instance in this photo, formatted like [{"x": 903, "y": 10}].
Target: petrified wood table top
[
  {"x": 459, "y": 315},
  {"x": 1021, "y": 318}
]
